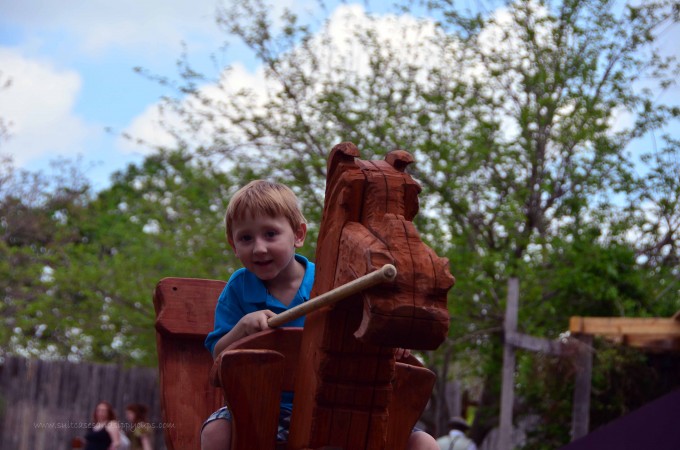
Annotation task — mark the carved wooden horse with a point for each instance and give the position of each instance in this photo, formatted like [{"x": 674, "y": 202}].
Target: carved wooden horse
[
  {"x": 349, "y": 391},
  {"x": 344, "y": 382}
]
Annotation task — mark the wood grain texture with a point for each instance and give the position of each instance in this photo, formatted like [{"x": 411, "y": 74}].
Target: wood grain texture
[
  {"x": 185, "y": 309},
  {"x": 250, "y": 398}
]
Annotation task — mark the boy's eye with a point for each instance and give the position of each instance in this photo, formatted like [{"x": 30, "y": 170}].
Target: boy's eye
[
  {"x": 244, "y": 238},
  {"x": 271, "y": 234}
]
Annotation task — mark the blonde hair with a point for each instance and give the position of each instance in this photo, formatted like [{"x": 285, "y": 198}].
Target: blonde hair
[{"x": 261, "y": 197}]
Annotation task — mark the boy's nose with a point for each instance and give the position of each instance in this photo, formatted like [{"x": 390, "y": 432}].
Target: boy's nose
[{"x": 259, "y": 246}]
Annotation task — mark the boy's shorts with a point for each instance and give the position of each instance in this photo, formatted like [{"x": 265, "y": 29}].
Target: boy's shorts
[{"x": 284, "y": 421}]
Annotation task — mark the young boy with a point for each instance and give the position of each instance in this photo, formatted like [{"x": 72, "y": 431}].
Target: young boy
[{"x": 264, "y": 227}]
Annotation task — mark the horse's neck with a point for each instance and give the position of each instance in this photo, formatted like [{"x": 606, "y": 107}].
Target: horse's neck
[{"x": 343, "y": 386}]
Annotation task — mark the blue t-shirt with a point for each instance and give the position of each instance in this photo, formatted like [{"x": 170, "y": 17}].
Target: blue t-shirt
[{"x": 245, "y": 293}]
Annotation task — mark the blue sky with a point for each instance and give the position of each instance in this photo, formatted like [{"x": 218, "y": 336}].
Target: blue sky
[{"x": 71, "y": 66}]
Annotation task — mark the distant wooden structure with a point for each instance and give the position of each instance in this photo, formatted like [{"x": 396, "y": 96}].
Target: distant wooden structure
[
  {"x": 651, "y": 334},
  {"x": 349, "y": 390},
  {"x": 648, "y": 334},
  {"x": 513, "y": 341}
]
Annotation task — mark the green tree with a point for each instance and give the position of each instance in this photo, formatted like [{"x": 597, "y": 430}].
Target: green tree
[
  {"x": 83, "y": 276},
  {"x": 512, "y": 116},
  {"x": 32, "y": 209}
]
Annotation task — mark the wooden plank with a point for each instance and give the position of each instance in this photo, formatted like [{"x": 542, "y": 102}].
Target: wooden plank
[
  {"x": 250, "y": 398},
  {"x": 185, "y": 310},
  {"x": 184, "y": 368},
  {"x": 624, "y": 326},
  {"x": 580, "y": 416},
  {"x": 283, "y": 340},
  {"x": 508, "y": 382},
  {"x": 412, "y": 388},
  {"x": 186, "y": 306},
  {"x": 653, "y": 343},
  {"x": 534, "y": 344}
]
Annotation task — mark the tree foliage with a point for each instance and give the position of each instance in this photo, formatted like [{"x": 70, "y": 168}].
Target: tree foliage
[
  {"x": 525, "y": 122},
  {"x": 522, "y": 121},
  {"x": 84, "y": 265}
]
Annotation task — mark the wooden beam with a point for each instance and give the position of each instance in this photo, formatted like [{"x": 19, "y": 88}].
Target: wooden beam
[
  {"x": 534, "y": 344},
  {"x": 508, "y": 380},
  {"x": 659, "y": 343},
  {"x": 624, "y": 326},
  {"x": 580, "y": 416}
]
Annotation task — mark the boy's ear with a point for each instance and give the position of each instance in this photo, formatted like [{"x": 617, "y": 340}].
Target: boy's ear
[
  {"x": 300, "y": 235},
  {"x": 232, "y": 246}
]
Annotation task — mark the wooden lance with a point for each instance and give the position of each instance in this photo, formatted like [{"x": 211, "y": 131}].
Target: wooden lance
[{"x": 386, "y": 273}]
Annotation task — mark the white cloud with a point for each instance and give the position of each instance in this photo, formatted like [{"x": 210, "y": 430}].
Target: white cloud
[
  {"x": 145, "y": 131},
  {"x": 43, "y": 97},
  {"x": 402, "y": 38},
  {"x": 39, "y": 105},
  {"x": 337, "y": 43}
]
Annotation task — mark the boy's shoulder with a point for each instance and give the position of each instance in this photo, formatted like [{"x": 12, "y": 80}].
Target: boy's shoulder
[
  {"x": 304, "y": 261},
  {"x": 238, "y": 274},
  {"x": 243, "y": 286},
  {"x": 308, "y": 277},
  {"x": 244, "y": 278}
]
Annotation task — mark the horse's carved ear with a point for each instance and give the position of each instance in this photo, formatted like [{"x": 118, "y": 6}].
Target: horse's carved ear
[
  {"x": 343, "y": 152},
  {"x": 399, "y": 159}
]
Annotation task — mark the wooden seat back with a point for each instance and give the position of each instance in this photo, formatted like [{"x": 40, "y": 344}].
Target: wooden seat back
[
  {"x": 190, "y": 390},
  {"x": 185, "y": 309}
]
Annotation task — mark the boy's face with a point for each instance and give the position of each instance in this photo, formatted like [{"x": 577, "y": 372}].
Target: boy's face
[{"x": 266, "y": 245}]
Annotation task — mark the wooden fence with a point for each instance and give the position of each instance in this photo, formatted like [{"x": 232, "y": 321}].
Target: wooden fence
[{"x": 45, "y": 404}]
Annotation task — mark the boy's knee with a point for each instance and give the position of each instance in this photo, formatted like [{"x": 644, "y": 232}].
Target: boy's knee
[
  {"x": 216, "y": 435},
  {"x": 420, "y": 440}
]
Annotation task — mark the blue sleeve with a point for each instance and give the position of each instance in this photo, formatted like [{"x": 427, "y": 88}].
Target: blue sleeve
[
  {"x": 232, "y": 304},
  {"x": 227, "y": 313}
]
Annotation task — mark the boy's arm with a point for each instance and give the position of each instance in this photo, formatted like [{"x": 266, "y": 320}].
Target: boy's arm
[{"x": 249, "y": 324}]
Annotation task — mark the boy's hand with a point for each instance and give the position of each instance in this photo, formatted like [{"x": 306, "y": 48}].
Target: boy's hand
[
  {"x": 249, "y": 324},
  {"x": 256, "y": 321},
  {"x": 401, "y": 353}
]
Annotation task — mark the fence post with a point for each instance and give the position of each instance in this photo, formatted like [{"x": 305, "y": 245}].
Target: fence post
[
  {"x": 580, "y": 415},
  {"x": 508, "y": 386}
]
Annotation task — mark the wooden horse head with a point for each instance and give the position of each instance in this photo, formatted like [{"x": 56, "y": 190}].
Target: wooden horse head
[{"x": 343, "y": 387}]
